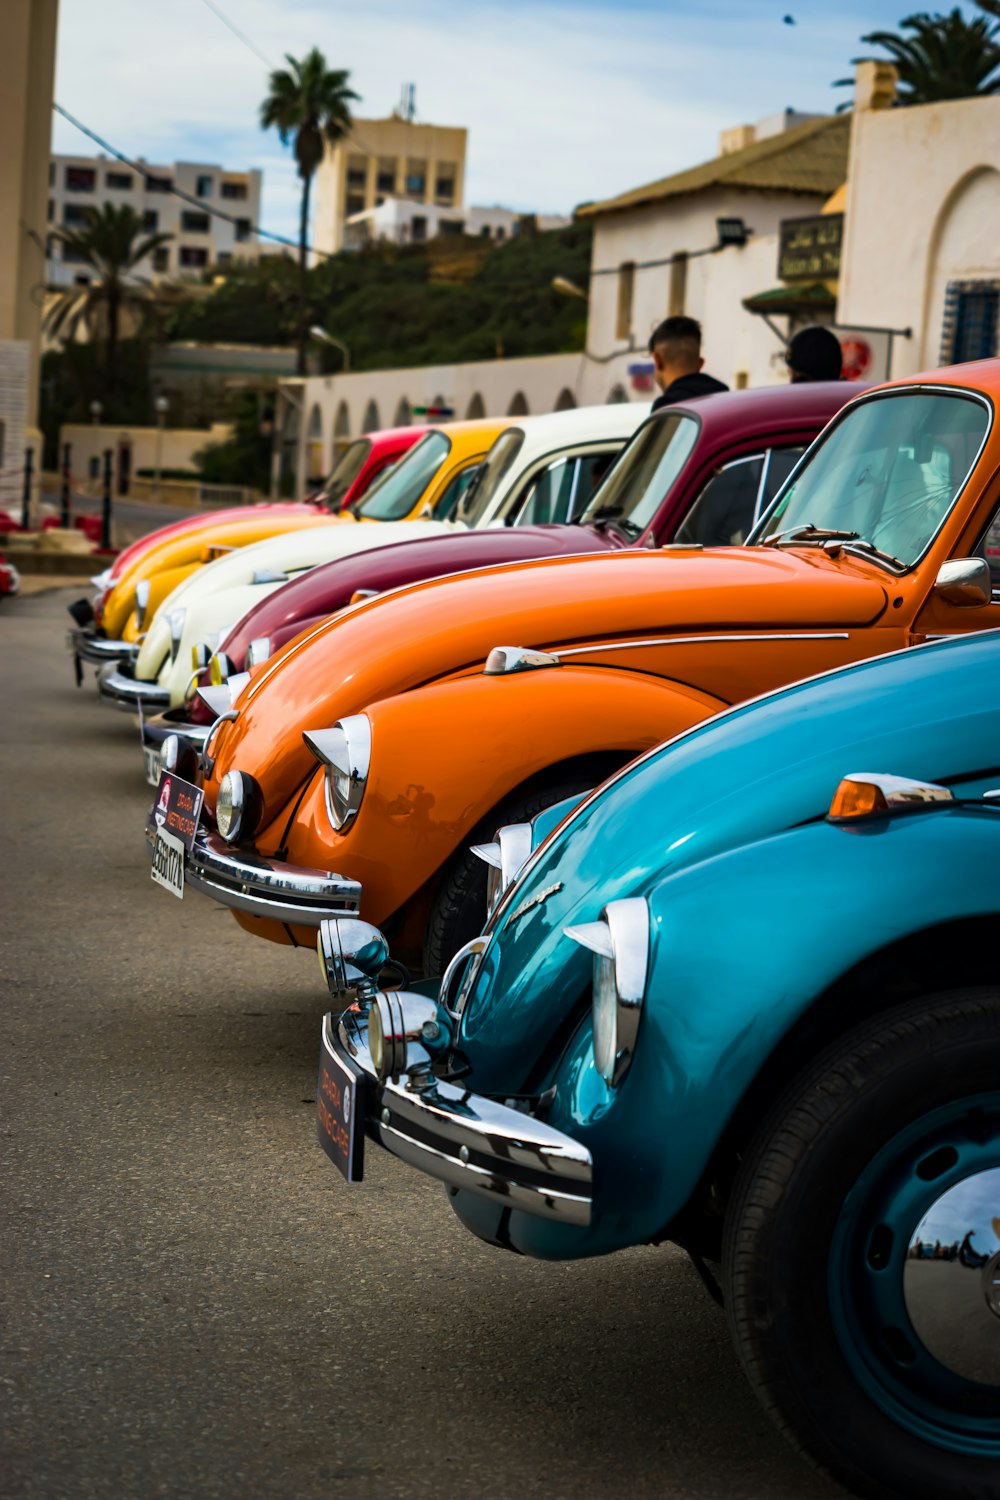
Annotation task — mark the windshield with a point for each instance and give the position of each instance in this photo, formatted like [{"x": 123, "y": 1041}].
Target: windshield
[
  {"x": 345, "y": 472},
  {"x": 477, "y": 501},
  {"x": 886, "y": 476},
  {"x": 397, "y": 493},
  {"x": 644, "y": 474}
]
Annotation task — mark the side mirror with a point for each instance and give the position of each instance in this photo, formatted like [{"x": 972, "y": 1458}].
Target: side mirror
[{"x": 964, "y": 581}]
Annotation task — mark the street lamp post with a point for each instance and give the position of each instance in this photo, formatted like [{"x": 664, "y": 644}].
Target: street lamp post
[
  {"x": 162, "y": 404},
  {"x": 322, "y": 337}
]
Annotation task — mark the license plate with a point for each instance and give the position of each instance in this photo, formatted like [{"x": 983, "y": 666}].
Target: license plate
[
  {"x": 167, "y": 868},
  {"x": 151, "y": 759},
  {"x": 339, "y": 1105}
]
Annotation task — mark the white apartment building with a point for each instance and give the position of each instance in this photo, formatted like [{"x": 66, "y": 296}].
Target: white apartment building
[
  {"x": 200, "y": 238},
  {"x": 406, "y": 223}
]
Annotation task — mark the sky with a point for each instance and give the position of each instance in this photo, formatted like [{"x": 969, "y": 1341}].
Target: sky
[{"x": 564, "y": 100}]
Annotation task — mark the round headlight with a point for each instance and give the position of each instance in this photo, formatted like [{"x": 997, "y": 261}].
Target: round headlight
[
  {"x": 238, "y": 807},
  {"x": 169, "y": 753}
]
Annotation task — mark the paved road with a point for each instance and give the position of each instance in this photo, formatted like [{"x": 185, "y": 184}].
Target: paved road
[
  {"x": 133, "y": 518},
  {"x": 195, "y": 1304}
]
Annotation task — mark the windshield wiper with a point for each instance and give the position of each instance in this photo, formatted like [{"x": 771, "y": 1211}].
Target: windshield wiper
[{"x": 810, "y": 533}]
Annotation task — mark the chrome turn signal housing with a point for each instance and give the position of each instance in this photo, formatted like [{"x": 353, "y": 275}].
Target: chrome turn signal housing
[
  {"x": 238, "y": 807},
  {"x": 873, "y": 794},
  {"x": 142, "y": 593},
  {"x": 220, "y": 668},
  {"x": 345, "y": 751},
  {"x": 506, "y": 858},
  {"x": 259, "y": 650},
  {"x": 620, "y": 945}
]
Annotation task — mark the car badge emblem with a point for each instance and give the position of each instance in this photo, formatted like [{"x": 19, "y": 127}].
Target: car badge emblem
[{"x": 536, "y": 900}]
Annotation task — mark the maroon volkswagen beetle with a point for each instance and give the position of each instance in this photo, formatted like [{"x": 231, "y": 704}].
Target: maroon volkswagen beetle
[{"x": 698, "y": 472}]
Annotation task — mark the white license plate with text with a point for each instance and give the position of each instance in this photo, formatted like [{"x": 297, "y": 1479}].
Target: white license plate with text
[{"x": 167, "y": 868}]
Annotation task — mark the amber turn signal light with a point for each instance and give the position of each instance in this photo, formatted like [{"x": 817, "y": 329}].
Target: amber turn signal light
[
  {"x": 867, "y": 794},
  {"x": 857, "y": 799}
]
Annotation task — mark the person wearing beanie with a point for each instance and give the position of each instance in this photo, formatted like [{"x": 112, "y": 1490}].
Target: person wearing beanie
[{"x": 814, "y": 354}]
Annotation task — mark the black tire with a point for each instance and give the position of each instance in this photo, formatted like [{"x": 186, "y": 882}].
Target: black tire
[
  {"x": 882, "y": 1090},
  {"x": 458, "y": 911}
]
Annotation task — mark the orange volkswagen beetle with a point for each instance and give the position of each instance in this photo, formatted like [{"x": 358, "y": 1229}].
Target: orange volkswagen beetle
[{"x": 358, "y": 765}]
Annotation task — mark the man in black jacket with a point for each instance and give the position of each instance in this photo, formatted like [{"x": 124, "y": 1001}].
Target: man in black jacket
[{"x": 676, "y": 349}]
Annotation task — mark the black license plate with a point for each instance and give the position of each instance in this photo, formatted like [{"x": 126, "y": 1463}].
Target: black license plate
[{"x": 340, "y": 1126}]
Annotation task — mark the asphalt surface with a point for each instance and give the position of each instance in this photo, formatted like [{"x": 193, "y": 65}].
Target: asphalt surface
[{"x": 195, "y": 1305}]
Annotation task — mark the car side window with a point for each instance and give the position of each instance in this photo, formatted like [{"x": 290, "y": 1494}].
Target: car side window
[
  {"x": 723, "y": 513},
  {"x": 779, "y": 464},
  {"x": 547, "y": 496},
  {"x": 450, "y": 500}
]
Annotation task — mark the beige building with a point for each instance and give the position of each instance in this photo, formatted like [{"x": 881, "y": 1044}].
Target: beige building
[
  {"x": 27, "y": 68},
  {"x": 380, "y": 159},
  {"x": 202, "y": 237}
]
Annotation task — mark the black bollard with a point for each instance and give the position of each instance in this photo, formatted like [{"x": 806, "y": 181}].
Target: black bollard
[
  {"x": 106, "y": 501},
  {"x": 29, "y": 463},
  {"x": 65, "y": 519}
]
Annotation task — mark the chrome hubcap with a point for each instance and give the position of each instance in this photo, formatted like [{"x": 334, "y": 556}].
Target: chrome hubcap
[{"x": 951, "y": 1278}]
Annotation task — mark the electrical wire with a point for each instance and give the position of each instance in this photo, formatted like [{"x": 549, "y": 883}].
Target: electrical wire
[{"x": 221, "y": 16}]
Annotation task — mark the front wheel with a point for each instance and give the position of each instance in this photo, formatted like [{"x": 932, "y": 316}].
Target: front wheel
[{"x": 861, "y": 1256}]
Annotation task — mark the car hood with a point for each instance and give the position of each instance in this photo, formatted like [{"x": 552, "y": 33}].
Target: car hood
[
  {"x": 326, "y": 589},
  {"x": 416, "y": 635},
  {"x": 219, "y": 594},
  {"x": 755, "y": 771},
  {"x": 187, "y": 525}
]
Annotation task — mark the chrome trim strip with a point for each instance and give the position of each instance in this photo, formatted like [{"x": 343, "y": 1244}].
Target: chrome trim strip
[
  {"x": 704, "y": 640},
  {"x": 251, "y": 883},
  {"x": 468, "y": 1141},
  {"x": 129, "y": 693},
  {"x": 155, "y": 731}
]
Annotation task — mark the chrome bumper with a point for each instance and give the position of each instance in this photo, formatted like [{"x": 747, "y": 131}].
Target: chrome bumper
[
  {"x": 261, "y": 887},
  {"x": 98, "y": 649},
  {"x": 156, "y": 729},
  {"x": 118, "y": 687},
  {"x": 466, "y": 1140}
]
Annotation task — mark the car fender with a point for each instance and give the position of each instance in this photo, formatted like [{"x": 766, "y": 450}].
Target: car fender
[
  {"x": 475, "y": 740},
  {"x": 743, "y": 946}
]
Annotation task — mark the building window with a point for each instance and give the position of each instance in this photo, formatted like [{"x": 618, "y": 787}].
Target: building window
[
  {"x": 501, "y": 233},
  {"x": 418, "y": 227},
  {"x": 52, "y": 174},
  {"x": 150, "y": 221},
  {"x": 444, "y": 184},
  {"x": 194, "y": 223},
  {"x": 355, "y": 204},
  {"x": 677, "y": 289},
  {"x": 416, "y": 178},
  {"x": 451, "y": 227},
  {"x": 243, "y": 229},
  {"x": 203, "y": 187},
  {"x": 224, "y": 258},
  {"x": 52, "y": 210},
  {"x": 72, "y": 256},
  {"x": 237, "y": 190},
  {"x": 357, "y": 173},
  {"x": 80, "y": 179},
  {"x": 159, "y": 184},
  {"x": 385, "y": 180},
  {"x": 119, "y": 182},
  {"x": 74, "y": 213},
  {"x": 626, "y": 287},
  {"x": 484, "y": 232},
  {"x": 161, "y": 258},
  {"x": 192, "y": 258},
  {"x": 971, "y": 327}
]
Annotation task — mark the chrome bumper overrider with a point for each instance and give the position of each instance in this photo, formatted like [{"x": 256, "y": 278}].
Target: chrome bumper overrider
[
  {"x": 466, "y": 1140},
  {"x": 119, "y": 688},
  {"x": 98, "y": 648},
  {"x": 262, "y": 887}
]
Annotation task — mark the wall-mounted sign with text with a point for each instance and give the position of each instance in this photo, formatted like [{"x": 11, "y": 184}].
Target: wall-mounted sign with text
[{"x": 809, "y": 249}]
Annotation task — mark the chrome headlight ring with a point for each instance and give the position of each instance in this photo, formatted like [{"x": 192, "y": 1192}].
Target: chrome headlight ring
[
  {"x": 620, "y": 945},
  {"x": 345, "y": 751},
  {"x": 238, "y": 807}
]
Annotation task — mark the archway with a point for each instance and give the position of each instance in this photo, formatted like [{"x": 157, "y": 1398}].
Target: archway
[
  {"x": 404, "y": 414},
  {"x": 341, "y": 430},
  {"x": 518, "y": 406},
  {"x": 476, "y": 409},
  {"x": 961, "y": 244},
  {"x": 617, "y": 395},
  {"x": 315, "y": 466},
  {"x": 371, "y": 421},
  {"x": 565, "y": 401}
]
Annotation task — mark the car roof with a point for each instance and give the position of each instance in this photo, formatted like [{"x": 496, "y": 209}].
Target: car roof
[
  {"x": 746, "y": 415},
  {"x": 583, "y": 424}
]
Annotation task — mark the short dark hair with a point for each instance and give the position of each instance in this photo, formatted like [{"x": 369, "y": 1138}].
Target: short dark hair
[{"x": 680, "y": 337}]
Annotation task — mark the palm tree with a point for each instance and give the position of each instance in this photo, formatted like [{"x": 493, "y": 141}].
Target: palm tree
[
  {"x": 113, "y": 244},
  {"x": 311, "y": 102},
  {"x": 945, "y": 57}
]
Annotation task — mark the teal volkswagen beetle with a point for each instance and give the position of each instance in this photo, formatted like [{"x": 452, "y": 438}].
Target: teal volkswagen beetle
[{"x": 745, "y": 997}]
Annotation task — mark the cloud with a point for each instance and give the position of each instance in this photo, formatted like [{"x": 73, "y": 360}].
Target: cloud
[{"x": 563, "y": 101}]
